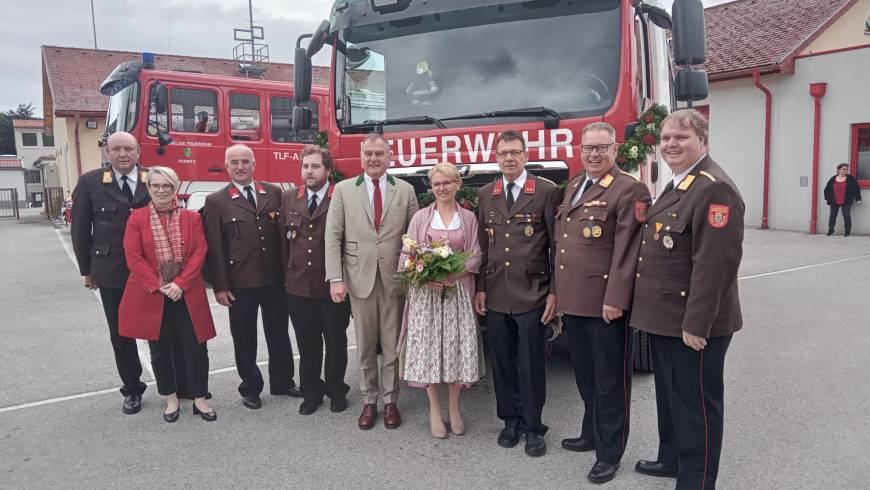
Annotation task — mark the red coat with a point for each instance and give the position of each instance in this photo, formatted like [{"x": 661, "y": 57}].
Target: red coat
[{"x": 141, "y": 310}]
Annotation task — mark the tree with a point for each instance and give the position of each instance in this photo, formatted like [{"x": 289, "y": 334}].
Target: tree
[{"x": 7, "y": 135}]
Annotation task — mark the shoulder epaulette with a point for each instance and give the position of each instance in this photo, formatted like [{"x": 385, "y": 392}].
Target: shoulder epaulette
[
  {"x": 606, "y": 181},
  {"x": 707, "y": 174},
  {"x": 628, "y": 174},
  {"x": 545, "y": 180},
  {"x": 687, "y": 181}
]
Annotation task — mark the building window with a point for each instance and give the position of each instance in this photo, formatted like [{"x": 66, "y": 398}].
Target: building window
[
  {"x": 861, "y": 153},
  {"x": 281, "y": 111},
  {"x": 33, "y": 176},
  {"x": 193, "y": 111},
  {"x": 28, "y": 139},
  {"x": 244, "y": 117},
  {"x": 47, "y": 140}
]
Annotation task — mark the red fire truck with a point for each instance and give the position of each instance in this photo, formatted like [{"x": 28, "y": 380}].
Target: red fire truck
[
  {"x": 442, "y": 79},
  {"x": 187, "y": 120}
]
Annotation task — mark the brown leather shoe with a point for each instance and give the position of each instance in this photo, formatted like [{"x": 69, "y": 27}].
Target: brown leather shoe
[
  {"x": 367, "y": 417},
  {"x": 392, "y": 419}
]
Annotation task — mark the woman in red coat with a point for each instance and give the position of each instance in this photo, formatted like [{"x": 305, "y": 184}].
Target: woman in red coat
[{"x": 165, "y": 295}]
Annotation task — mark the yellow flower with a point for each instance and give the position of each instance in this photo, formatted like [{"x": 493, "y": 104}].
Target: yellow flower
[{"x": 409, "y": 264}]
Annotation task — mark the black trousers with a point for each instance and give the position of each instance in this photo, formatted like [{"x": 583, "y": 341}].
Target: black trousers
[
  {"x": 126, "y": 353},
  {"x": 176, "y": 328},
  {"x": 601, "y": 355},
  {"x": 243, "y": 327},
  {"x": 516, "y": 346},
  {"x": 847, "y": 217},
  {"x": 319, "y": 321},
  {"x": 690, "y": 406}
]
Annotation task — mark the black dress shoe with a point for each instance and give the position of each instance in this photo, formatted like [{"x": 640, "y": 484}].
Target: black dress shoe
[
  {"x": 535, "y": 445},
  {"x": 171, "y": 417},
  {"x": 655, "y": 468},
  {"x": 252, "y": 402},
  {"x": 293, "y": 392},
  {"x": 132, "y": 404},
  {"x": 602, "y": 472},
  {"x": 309, "y": 406},
  {"x": 338, "y": 404},
  {"x": 509, "y": 437},
  {"x": 209, "y": 416},
  {"x": 578, "y": 444}
]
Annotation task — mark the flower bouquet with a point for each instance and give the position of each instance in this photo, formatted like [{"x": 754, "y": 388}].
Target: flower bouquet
[{"x": 432, "y": 261}]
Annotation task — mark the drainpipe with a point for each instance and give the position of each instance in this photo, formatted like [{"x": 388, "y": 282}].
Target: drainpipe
[
  {"x": 768, "y": 102},
  {"x": 817, "y": 90},
  {"x": 78, "y": 149}
]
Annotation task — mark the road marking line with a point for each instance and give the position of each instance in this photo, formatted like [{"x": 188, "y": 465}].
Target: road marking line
[
  {"x": 763, "y": 274},
  {"x": 89, "y": 394},
  {"x": 140, "y": 344}
]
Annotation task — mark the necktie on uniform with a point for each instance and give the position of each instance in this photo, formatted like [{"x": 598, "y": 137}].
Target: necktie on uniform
[
  {"x": 250, "y": 196},
  {"x": 377, "y": 204},
  {"x": 312, "y": 205},
  {"x": 125, "y": 188},
  {"x": 586, "y": 186},
  {"x": 668, "y": 188},
  {"x": 510, "y": 195}
]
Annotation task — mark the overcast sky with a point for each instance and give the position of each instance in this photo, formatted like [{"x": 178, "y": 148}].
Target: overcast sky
[{"x": 185, "y": 27}]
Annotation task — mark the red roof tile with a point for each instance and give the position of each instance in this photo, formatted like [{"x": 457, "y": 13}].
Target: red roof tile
[
  {"x": 10, "y": 162},
  {"x": 763, "y": 34},
  {"x": 27, "y": 123},
  {"x": 74, "y": 74}
]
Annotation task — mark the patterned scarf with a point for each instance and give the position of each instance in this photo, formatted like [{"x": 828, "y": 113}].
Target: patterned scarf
[{"x": 167, "y": 241}]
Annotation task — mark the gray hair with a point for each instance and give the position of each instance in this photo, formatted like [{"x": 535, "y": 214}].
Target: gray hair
[
  {"x": 600, "y": 126},
  {"x": 167, "y": 173},
  {"x": 236, "y": 146},
  {"x": 375, "y": 137}
]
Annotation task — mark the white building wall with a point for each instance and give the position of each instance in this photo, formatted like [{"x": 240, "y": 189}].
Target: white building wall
[
  {"x": 737, "y": 137},
  {"x": 14, "y": 178}
]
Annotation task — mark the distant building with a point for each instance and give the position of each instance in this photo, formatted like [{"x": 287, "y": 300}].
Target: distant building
[
  {"x": 12, "y": 177},
  {"x": 801, "y": 52},
  {"x": 36, "y": 150}
]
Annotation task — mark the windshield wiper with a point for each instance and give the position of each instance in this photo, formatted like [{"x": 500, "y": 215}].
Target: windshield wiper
[
  {"x": 397, "y": 121},
  {"x": 526, "y": 111}
]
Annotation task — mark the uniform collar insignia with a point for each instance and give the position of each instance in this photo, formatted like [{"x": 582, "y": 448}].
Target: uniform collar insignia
[
  {"x": 301, "y": 193},
  {"x": 260, "y": 188},
  {"x": 234, "y": 193},
  {"x": 529, "y": 186},
  {"x": 498, "y": 188},
  {"x": 360, "y": 180},
  {"x": 606, "y": 181},
  {"x": 687, "y": 181},
  {"x": 108, "y": 177}
]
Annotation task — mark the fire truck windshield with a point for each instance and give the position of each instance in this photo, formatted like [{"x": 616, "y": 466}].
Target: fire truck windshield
[
  {"x": 123, "y": 109},
  {"x": 563, "y": 56}
]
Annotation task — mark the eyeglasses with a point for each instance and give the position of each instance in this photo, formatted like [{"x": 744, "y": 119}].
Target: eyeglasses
[
  {"x": 162, "y": 187},
  {"x": 513, "y": 153},
  {"x": 587, "y": 149}
]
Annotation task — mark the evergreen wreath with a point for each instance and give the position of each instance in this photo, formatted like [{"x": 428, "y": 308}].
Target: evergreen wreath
[{"x": 647, "y": 134}]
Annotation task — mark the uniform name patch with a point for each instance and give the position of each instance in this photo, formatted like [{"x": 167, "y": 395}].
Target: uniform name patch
[
  {"x": 717, "y": 215},
  {"x": 640, "y": 211}
]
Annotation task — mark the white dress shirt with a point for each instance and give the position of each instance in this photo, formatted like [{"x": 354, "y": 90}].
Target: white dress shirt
[
  {"x": 320, "y": 193},
  {"x": 580, "y": 190},
  {"x": 241, "y": 189},
  {"x": 520, "y": 182},
  {"x": 132, "y": 178},
  {"x": 679, "y": 178},
  {"x": 370, "y": 186}
]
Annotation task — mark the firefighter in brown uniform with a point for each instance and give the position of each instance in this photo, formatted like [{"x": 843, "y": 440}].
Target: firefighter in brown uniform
[
  {"x": 103, "y": 200},
  {"x": 316, "y": 319},
  {"x": 244, "y": 232},
  {"x": 686, "y": 298},
  {"x": 514, "y": 290},
  {"x": 597, "y": 243}
]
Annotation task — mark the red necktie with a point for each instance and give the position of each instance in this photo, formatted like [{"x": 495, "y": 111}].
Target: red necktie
[{"x": 378, "y": 204}]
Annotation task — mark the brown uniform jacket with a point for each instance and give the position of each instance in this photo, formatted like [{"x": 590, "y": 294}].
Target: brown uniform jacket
[
  {"x": 515, "y": 246},
  {"x": 99, "y": 217},
  {"x": 304, "y": 254},
  {"x": 597, "y": 243},
  {"x": 692, "y": 243},
  {"x": 244, "y": 245}
]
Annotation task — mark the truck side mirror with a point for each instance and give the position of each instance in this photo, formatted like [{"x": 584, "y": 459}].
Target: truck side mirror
[
  {"x": 318, "y": 39},
  {"x": 690, "y": 45},
  {"x": 301, "y": 118},
  {"x": 160, "y": 98},
  {"x": 302, "y": 77},
  {"x": 691, "y": 85}
]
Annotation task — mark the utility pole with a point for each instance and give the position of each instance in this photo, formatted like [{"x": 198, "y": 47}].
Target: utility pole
[{"x": 94, "y": 24}]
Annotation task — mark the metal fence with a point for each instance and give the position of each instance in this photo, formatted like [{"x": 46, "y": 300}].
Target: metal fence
[
  {"x": 53, "y": 202},
  {"x": 9, "y": 203}
]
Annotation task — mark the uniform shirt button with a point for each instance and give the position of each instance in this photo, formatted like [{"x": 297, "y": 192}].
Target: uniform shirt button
[
  {"x": 507, "y": 249},
  {"x": 646, "y": 225},
  {"x": 262, "y": 238},
  {"x": 637, "y": 275},
  {"x": 565, "y": 235},
  {"x": 259, "y": 227},
  {"x": 585, "y": 210},
  {"x": 640, "y": 259},
  {"x": 507, "y": 235},
  {"x": 605, "y": 276},
  {"x": 683, "y": 294},
  {"x": 507, "y": 221},
  {"x": 309, "y": 250},
  {"x": 234, "y": 219},
  {"x": 561, "y": 267},
  {"x": 264, "y": 249},
  {"x": 231, "y": 262},
  {"x": 311, "y": 238},
  {"x": 507, "y": 264},
  {"x": 569, "y": 220},
  {"x": 309, "y": 263},
  {"x": 310, "y": 226},
  {"x": 131, "y": 210},
  {"x": 563, "y": 250},
  {"x": 258, "y": 218},
  {"x": 643, "y": 242},
  {"x": 98, "y": 252}
]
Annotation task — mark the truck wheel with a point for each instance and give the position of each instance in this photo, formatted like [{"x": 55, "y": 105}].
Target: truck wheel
[{"x": 642, "y": 348}]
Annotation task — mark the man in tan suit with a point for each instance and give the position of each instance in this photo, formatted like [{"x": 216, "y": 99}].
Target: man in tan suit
[
  {"x": 364, "y": 226},
  {"x": 597, "y": 237}
]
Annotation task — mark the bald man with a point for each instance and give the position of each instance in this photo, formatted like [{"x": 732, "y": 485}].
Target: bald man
[
  {"x": 245, "y": 264},
  {"x": 102, "y": 202}
]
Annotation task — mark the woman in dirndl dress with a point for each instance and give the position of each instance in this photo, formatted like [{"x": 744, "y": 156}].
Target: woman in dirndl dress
[{"x": 440, "y": 339}]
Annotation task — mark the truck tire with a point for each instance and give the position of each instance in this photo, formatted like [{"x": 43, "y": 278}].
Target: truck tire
[{"x": 643, "y": 355}]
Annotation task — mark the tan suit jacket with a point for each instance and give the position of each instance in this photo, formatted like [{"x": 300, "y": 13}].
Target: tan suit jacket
[
  {"x": 597, "y": 242},
  {"x": 355, "y": 252}
]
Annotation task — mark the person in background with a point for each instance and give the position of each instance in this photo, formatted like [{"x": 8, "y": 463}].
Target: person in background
[
  {"x": 841, "y": 191},
  {"x": 164, "y": 301}
]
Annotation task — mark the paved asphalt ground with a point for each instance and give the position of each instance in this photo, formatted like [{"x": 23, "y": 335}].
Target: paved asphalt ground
[{"x": 797, "y": 395}]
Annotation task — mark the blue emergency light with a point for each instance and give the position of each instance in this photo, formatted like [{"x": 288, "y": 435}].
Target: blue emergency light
[{"x": 148, "y": 60}]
